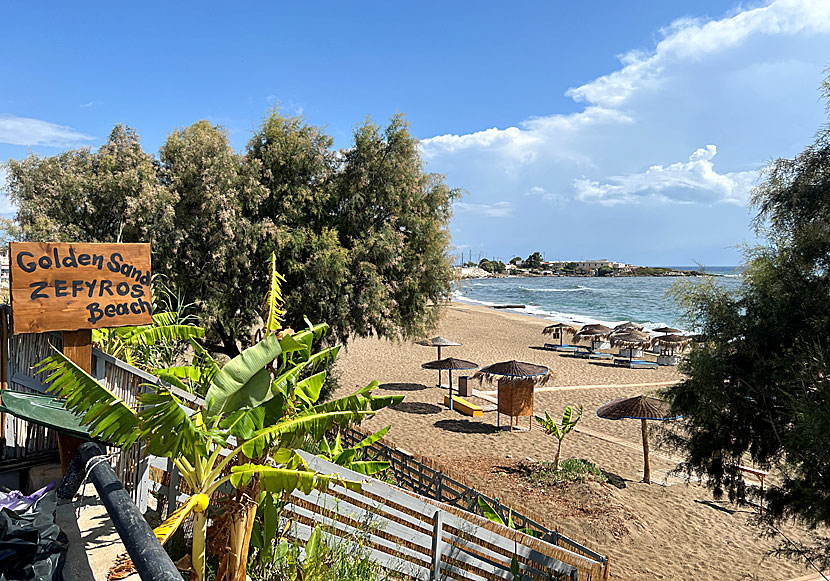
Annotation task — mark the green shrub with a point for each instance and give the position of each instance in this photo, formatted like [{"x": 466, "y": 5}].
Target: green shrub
[{"x": 570, "y": 470}]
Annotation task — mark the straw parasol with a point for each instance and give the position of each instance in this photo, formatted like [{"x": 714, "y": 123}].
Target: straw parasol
[
  {"x": 593, "y": 332},
  {"x": 632, "y": 339},
  {"x": 562, "y": 327},
  {"x": 438, "y": 342},
  {"x": 449, "y": 364},
  {"x": 639, "y": 407},
  {"x": 666, "y": 330},
  {"x": 671, "y": 342},
  {"x": 627, "y": 327},
  {"x": 516, "y": 383},
  {"x": 516, "y": 371}
]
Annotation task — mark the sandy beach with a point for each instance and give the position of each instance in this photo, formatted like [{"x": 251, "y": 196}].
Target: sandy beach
[{"x": 667, "y": 530}]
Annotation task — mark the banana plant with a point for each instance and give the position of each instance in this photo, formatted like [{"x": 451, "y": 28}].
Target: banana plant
[
  {"x": 569, "y": 421},
  {"x": 132, "y": 344},
  {"x": 259, "y": 407},
  {"x": 345, "y": 457}
]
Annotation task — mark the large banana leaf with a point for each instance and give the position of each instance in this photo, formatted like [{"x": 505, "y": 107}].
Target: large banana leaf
[
  {"x": 152, "y": 335},
  {"x": 246, "y": 374},
  {"x": 107, "y": 416},
  {"x": 167, "y": 428},
  {"x": 298, "y": 428},
  {"x": 286, "y": 480}
]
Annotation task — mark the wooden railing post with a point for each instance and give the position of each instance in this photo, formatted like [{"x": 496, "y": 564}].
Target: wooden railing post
[
  {"x": 437, "y": 546},
  {"x": 77, "y": 346}
]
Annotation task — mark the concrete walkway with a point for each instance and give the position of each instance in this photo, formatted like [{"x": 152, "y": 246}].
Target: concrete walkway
[{"x": 93, "y": 542}]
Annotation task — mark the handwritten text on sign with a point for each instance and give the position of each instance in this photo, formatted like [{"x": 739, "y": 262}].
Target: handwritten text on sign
[{"x": 57, "y": 286}]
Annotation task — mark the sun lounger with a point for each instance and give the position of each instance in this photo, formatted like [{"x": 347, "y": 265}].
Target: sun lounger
[
  {"x": 593, "y": 355},
  {"x": 462, "y": 406},
  {"x": 635, "y": 363},
  {"x": 561, "y": 348}
]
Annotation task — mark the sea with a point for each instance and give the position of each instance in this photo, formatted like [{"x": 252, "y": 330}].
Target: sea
[{"x": 585, "y": 300}]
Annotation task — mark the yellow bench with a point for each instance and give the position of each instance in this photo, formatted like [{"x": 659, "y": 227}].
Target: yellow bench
[{"x": 463, "y": 406}]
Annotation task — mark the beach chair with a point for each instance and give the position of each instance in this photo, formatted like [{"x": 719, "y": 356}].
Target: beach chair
[
  {"x": 589, "y": 353},
  {"x": 561, "y": 348},
  {"x": 635, "y": 363}
]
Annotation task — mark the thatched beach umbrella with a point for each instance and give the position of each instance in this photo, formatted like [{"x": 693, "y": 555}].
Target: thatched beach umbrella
[
  {"x": 449, "y": 364},
  {"x": 516, "y": 383},
  {"x": 666, "y": 330},
  {"x": 516, "y": 370},
  {"x": 671, "y": 342},
  {"x": 595, "y": 332},
  {"x": 631, "y": 339},
  {"x": 622, "y": 327},
  {"x": 641, "y": 408},
  {"x": 562, "y": 327},
  {"x": 438, "y": 342}
]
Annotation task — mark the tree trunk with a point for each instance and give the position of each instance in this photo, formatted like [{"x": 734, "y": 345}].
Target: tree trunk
[
  {"x": 558, "y": 452},
  {"x": 233, "y": 565},
  {"x": 198, "y": 554},
  {"x": 646, "y": 465}
]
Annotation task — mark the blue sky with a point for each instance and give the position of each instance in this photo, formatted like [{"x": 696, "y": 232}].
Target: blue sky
[{"x": 623, "y": 130}]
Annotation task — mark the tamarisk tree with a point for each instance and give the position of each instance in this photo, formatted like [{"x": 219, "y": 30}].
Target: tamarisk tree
[{"x": 759, "y": 384}]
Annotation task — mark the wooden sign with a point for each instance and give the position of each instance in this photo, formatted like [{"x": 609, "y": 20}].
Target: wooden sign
[{"x": 59, "y": 286}]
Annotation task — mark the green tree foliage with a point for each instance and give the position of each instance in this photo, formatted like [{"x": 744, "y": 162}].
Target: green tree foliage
[
  {"x": 759, "y": 386},
  {"x": 496, "y": 266},
  {"x": 533, "y": 261},
  {"x": 360, "y": 234},
  {"x": 86, "y": 196}
]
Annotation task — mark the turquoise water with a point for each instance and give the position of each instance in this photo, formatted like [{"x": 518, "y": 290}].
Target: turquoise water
[{"x": 583, "y": 300}]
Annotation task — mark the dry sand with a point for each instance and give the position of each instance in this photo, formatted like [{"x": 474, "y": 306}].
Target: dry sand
[{"x": 668, "y": 530}]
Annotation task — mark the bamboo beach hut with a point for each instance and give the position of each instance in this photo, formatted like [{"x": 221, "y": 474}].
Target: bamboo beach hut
[
  {"x": 559, "y": 330},
  {"x": 516, "y": 382}
]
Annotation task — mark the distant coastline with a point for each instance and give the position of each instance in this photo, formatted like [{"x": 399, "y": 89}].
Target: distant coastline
[{"x": 468, "y": 272}]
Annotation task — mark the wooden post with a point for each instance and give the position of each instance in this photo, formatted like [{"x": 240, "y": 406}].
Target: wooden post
[
  {"x": 646, "y": 465},
  {"x": 77, "y": 346},
  {"x": 437, "y": 533},
  {"x": 4, "y": 364}
]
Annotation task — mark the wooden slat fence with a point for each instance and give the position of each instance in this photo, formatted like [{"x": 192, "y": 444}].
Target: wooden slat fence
[
  {"x": 421, "y": 538},
  {"x": 428, "y": 481}
]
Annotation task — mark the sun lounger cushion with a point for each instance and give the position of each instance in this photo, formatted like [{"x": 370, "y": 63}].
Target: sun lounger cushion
[
  {"x": 635, "y": 364},
  {"x": 562, "y": 348}
]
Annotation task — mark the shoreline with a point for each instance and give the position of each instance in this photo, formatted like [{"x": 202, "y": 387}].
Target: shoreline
[{"x": 571, "y": 318}]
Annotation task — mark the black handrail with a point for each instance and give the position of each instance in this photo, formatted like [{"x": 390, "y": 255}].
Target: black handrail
[{"x": 150, "y": 559}]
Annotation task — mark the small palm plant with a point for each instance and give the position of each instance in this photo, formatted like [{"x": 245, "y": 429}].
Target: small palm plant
[
  {"x": 569, "y": 421},
  {"x": 259, "y": 408}
]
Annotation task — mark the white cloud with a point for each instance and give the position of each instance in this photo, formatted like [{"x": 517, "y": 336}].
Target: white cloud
[
  {"x": 683, "y": 182},
  {"x": 497, "y": 210},
  {"x": 522, "y": 145},
  {"x": 90, "y": 104},
  {"x": 546, "y": 195},
  {"x": 689, "y": 40},
  {"x": 27, "y": 131},
  {"x": 746, "y": 82}
]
